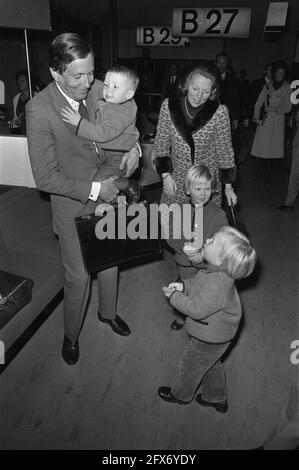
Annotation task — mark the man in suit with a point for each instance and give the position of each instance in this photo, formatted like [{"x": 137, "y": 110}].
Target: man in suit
[
  {"x": 256, "y": 87},
  {"x": 64, "y": 165},
  {"x": 171, "y": 82},
  {"x": 229, "y": 88}
]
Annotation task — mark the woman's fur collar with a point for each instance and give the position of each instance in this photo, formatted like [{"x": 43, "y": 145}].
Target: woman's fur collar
[{"x": 176, "y": 103}]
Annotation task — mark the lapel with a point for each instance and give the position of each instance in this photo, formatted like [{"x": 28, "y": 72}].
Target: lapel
[{"x": 59, "y": 102}]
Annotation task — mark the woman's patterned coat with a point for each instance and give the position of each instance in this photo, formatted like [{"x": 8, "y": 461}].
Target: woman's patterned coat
[{"x": 177, "y": 147}]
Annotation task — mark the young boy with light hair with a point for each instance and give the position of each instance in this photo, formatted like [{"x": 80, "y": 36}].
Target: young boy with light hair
[{"x": 212, "y": 305}]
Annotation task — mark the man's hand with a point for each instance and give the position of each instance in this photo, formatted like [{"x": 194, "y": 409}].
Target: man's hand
[
  {"x": 109, "y": 191},
  {"x": 195, "y": 257},
  {"x": 176, "y": 286},
  {"x": 131, "y": 159}
]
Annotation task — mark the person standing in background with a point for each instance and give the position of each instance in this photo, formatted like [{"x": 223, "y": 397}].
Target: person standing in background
[
  {"x": 171, "y": 82},
  {"x": 270, "y": 109},
  {"x": 293, "y": 186},
  {"x": 229, "y": 88},
  {"x": 18, "y": 122}
]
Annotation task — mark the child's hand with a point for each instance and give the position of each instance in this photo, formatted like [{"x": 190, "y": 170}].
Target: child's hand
[
  {"x": 193, "y": 254},
  {"x": 176, "y": 286},
  {"x": 71, "y": 116},
  {"x": 172, "y": 287},
  {"x": 167, "y": 291}
]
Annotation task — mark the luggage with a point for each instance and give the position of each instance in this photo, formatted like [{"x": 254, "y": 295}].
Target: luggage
[{"x": 120, "y": 235}]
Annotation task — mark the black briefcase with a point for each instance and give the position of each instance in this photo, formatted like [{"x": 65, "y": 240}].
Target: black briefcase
[{"x": 110, "y": 239}]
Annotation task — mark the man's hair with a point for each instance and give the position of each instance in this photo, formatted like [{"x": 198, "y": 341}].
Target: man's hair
[
  {"x": 238, "y": 257},
  {"x": 130, "y": 74},
  {"x": 197, "y": 172},
  {"x": 66, "y": 48},
  {"x": 205, "y": 69}
]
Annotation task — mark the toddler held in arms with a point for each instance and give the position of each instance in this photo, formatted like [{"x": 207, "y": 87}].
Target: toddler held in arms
[{"x": 114, "y": 128}]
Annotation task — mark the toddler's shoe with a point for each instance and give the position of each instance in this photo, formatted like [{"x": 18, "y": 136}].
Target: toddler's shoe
[{"x": 166, "y": 394}]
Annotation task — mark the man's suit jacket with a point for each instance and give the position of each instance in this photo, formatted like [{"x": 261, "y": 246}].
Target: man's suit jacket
[{"x": 63, "y": 163}]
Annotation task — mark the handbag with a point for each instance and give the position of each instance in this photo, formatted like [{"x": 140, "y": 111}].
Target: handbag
[
  {"x": 234, "y": 221},
  {"x": 111, "y": 239},
  {"x": 15, "y": 293}
]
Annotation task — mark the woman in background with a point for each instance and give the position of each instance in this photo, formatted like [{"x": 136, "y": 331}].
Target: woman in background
[
  {"x": 270, "y": 109},
  {"x": 18, "y": 123}
]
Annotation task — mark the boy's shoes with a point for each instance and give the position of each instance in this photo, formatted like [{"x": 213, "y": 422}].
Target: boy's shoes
[
  {"x": 175, "y": 325},
  {"x": 70, "y": 351},
  {"x": 166, "y": 394},
  {"x": 133, "y": 192},
  {"x": 222, "y": 406},
  {"x": 117, "y": 324},
  {"x": 284, "y": 207}
]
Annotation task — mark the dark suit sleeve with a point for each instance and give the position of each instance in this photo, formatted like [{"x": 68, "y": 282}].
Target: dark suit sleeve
[{"x": 45, "y": 166}]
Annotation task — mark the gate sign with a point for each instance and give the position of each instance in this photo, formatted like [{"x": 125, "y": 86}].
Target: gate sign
[
  {"x": 214, "y": 22},
  {"x": 159, "y": 36}
]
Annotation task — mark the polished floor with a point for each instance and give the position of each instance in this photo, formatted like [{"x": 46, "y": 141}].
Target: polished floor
[{"x": 109, "y": 399}]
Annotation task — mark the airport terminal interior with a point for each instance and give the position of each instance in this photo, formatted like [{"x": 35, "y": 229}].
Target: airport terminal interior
[{"x": 109, "y": 399}]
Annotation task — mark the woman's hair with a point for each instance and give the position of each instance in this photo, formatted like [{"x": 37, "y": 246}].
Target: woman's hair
[
  {"x": 205, "y": 69},
  {"x": 130, "y": 74},
  {"x": 20, "y": 73},
  {"x": 66, "y": 48},
  {"x": 280, "y": 64},
  {"x": 238, "y": 257},
  {"x": 197, "y": 172}
]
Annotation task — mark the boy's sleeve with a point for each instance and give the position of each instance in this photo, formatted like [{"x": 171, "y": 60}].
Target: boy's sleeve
[
  {"x": 208, "y": 301},
  {"x": 220, "y": 220},
  {"x": 111, "y": 121}
]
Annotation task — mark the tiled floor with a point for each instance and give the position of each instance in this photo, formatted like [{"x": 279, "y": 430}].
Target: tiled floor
[{"x": 109, "y": 399}]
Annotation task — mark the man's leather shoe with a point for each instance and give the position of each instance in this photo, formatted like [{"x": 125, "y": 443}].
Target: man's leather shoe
[
  {"x": 166, "y": 394},
  {"x": 176, "y": 326},
  {"x": 283, "y": 207},
  {"x": 117, "y": 325},
  {"x": 219, "y": 406},
  {"x": 70, "y": 351}
]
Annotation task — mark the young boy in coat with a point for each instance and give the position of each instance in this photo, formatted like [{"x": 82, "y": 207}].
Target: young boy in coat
[{"x": 212, "y": 305}]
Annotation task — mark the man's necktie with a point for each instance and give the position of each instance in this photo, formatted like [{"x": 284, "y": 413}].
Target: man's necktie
[
  {"x": 84, "y": 114},
  {"x": 83, "y": 110}
]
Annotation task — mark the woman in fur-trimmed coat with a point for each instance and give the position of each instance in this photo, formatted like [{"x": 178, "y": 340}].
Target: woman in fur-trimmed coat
[{"x": 194, "y": 128}]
